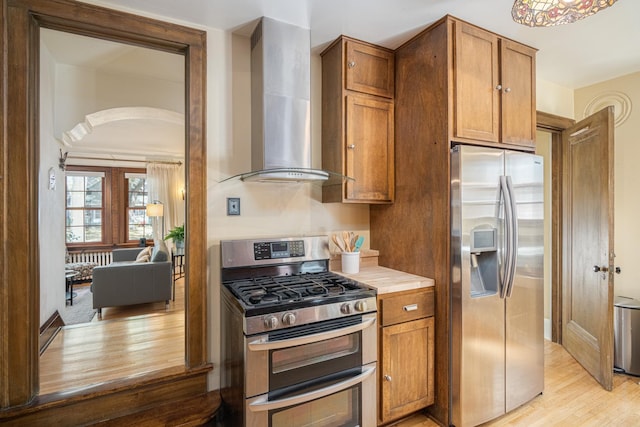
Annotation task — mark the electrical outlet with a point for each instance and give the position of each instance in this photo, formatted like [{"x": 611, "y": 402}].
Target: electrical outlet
[{"x": 233, "y": 205}]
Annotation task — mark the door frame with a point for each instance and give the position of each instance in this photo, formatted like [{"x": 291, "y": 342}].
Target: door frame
[
  {"x": 555, "y": 125},
  {"x": 19, "y": 143}
]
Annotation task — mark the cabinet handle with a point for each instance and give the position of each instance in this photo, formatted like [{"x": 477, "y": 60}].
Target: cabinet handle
[
  {"x": 351, "y": 64},
  {"x": 507, "y": 90},
  {"x": 351, "y": 146},
  {"x": 499, "y": 87},
  {"x": 387, "y": 378},
  {"x": 410, "y": 307}
]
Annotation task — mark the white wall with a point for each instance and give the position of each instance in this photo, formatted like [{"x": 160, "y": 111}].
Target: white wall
[
  {"x": 554, "y": 99},
  {"x": 81, "y": 91},
  {"x": 627, "y": 176},
  {"x": 51, "y": 202}
]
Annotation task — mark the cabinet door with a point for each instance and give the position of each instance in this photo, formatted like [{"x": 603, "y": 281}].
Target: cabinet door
[
  {"x": 518, "y": 93},
  {"x": 477, "y": 90},
  {"x": 369, "y": 150},
  {"x": 406, "y": 368},
  {"x": 369, "y": 70}
]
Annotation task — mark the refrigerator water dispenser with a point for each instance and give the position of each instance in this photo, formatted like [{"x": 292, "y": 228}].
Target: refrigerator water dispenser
[{"x": 484, "y": 261}]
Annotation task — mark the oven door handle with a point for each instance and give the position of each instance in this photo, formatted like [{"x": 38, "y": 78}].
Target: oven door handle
[
  {"x": 264, "y": 345},
  {"x": 263, "y": 404}
]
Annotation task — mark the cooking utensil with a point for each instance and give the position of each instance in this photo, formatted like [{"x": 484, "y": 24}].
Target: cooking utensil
[
  {"x": 358, "y": 244},
  {"x": 347, "y": 240},
  {"x": 338, "y": 243}
]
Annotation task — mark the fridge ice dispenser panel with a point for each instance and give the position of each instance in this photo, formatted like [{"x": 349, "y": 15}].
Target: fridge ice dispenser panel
[{"x": 484, "y": 262}]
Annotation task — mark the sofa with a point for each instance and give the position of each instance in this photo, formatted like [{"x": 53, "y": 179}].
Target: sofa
[{"x": 132, "y": 278}]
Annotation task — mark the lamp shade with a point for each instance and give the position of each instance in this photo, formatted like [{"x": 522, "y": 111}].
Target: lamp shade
[
  {"x": 547, "y": 13},
  {"x": 155, "y": 209}
]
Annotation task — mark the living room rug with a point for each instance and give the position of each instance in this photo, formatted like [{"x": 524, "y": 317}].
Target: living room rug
[{"x": 82, "y": 310}]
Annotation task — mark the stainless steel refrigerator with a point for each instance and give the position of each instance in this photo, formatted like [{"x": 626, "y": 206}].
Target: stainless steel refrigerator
[{"x": 497, "y": 342}]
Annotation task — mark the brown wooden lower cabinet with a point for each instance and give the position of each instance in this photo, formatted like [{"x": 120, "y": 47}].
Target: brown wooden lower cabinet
[{"x": 406, "y": 353}]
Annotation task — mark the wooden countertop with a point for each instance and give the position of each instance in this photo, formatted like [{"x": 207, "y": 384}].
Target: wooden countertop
[{"x": 386, "y": 280}]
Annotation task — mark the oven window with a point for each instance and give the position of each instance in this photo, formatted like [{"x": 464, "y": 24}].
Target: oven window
[
  {"x": 311, "y": 354},
  {"x": 339, "y": 409}
]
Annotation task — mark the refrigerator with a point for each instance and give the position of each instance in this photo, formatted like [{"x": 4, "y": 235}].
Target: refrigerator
[{"x": 497, "y": 307}]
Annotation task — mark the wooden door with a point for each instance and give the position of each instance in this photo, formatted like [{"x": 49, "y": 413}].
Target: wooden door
[
  {"x": 518, "y": 67},
  {"x": 369, "y": 150},
  {"x": 587, "y": 326},
  {"x": 477, "y": 92}
]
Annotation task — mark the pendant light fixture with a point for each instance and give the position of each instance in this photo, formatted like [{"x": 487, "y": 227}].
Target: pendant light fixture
[{"x": 547, "y": 13}]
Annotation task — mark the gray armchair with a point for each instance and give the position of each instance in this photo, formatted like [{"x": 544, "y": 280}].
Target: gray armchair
[{"x": 126, "y": 282}]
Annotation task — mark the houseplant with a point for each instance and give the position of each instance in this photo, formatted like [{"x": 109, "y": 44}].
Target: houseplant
[{"x": 177, "y": 235}]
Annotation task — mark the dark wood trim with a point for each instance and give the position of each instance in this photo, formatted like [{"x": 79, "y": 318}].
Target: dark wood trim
[
  {"x": 555, "y": 125},
  {"x": 552, "y": 123},
  {"x": 102, "y": 402},
  {"x": 19, "y": 305},
  {"x": 49, "y": 330}
]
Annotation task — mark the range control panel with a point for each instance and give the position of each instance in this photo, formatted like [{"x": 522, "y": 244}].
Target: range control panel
[{"x": 274, "y": 250}]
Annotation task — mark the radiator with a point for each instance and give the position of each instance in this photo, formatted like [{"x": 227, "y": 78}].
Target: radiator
[{"x": 99, "y": 257}]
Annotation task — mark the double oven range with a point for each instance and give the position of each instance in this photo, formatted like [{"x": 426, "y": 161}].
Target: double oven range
[{"x": 299, "y": 343}]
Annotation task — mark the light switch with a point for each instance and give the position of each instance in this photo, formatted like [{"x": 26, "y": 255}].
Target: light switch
[{"x": 233, "y": 205}]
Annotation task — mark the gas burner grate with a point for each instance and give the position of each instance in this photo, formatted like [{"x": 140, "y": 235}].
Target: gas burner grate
[{"x": 279, "y": 289}]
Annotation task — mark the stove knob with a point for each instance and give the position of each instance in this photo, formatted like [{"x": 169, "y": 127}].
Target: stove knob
[
  {"x": 361, "y": 306},
  {"x": 271, "y": 322},
  {"x": 345, "y": 308},
  {"x": 289, "y": 319}
]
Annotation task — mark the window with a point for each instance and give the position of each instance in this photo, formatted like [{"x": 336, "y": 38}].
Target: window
[
  {"x": 84, "y": 207},
  {"x": 106, "y": 206},
  {"x": 138, "y": 224}
]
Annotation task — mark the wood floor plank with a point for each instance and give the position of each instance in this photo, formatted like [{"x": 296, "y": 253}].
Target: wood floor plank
[{"x": 124, "y": 344}]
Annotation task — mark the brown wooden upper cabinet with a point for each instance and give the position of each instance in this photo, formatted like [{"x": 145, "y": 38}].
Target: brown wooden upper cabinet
[
  {"x": 494, "y": 88},
  {"x": 369, "y": 69},
  {"x": 358, "y": 121}
]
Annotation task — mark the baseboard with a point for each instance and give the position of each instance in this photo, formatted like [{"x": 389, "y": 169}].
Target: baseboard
[{"x": 49, "y": 330}]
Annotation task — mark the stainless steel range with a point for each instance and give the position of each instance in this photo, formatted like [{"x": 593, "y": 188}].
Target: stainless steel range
[{"x": 299, "y": 343}]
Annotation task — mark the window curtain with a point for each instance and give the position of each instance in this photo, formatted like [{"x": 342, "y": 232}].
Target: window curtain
[{"x": 166, "y": 185}]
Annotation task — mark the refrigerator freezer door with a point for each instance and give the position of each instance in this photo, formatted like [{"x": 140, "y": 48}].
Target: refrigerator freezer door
[
  {"x": 477, "y": 340},
  {"x": 524, "y": 346}
]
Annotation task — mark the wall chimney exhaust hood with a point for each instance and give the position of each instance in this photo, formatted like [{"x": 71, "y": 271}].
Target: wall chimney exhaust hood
[{"x": 281, "y": 104}]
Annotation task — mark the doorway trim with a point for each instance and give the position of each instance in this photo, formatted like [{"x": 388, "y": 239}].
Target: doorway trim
[
  {"x": 19, "y": 142},
  {"x": 555, "y": 125}
]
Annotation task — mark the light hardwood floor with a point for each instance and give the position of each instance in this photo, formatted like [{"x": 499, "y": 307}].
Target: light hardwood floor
[
  {"x": 128, "y": 342},
  {"x": 571, "y": 398}
]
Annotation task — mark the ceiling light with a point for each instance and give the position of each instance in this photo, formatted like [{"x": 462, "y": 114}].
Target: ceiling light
[{"x": 546, "y": 13}]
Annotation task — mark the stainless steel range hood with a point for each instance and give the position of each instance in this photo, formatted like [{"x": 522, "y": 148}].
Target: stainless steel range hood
[{"x": 281, "y": 104}]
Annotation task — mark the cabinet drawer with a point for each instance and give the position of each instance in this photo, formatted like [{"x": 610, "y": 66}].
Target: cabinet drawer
[{"x": 405, "y": 307}]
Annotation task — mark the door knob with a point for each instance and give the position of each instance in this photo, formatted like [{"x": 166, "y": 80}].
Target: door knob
[
  {"x": 597, "y": 268},
  {"x": 387, "y": 377}
]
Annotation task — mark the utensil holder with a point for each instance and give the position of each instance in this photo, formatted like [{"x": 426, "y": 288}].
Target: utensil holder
[{"x": 350, "y": 262}]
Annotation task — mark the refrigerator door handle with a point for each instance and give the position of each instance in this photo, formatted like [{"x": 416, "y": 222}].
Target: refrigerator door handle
[
  {"x": 514, "y": 235},
  {"x": 506, "y": 198}
]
